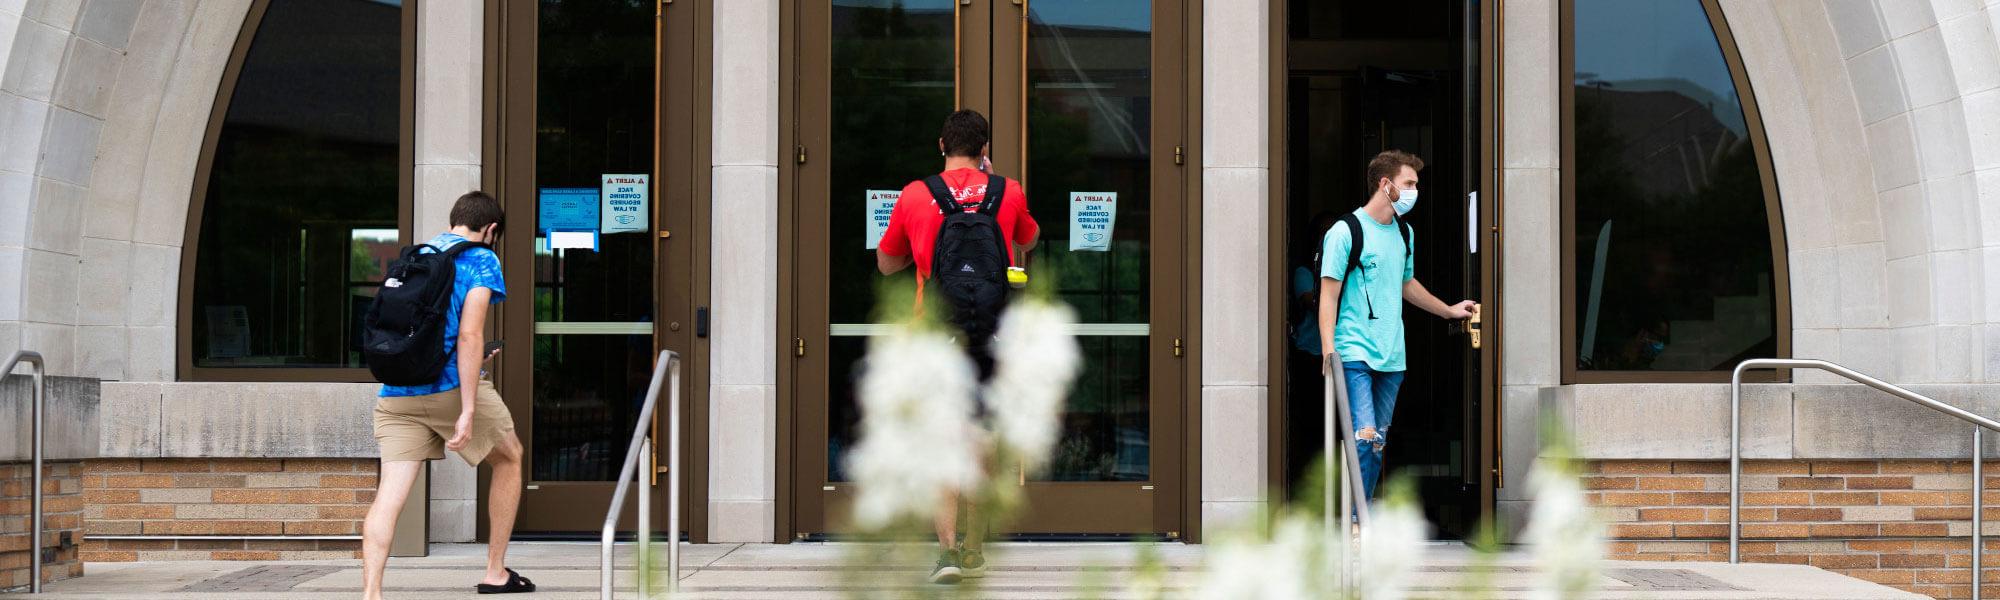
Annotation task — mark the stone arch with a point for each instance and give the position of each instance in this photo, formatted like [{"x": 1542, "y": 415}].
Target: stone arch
[
  {"x": 112, "y": 100},
  {"x": 1878, "y": 115}
]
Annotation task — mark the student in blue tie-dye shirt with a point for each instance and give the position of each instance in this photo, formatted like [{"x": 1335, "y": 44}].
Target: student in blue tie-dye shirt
[{"x": 418, "y": 423}]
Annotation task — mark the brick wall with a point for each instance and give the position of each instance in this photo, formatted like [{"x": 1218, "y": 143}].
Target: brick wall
[
  {"x": 1905, "y": 524},
  {"x": 224, "y": 497},
  {"x": 62, "y": 517}
]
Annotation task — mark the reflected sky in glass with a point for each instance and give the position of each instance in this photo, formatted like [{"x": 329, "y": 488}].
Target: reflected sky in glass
[{"x": 1655, "y": 45}]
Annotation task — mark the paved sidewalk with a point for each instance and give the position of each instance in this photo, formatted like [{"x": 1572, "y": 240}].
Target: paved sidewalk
[{"x": 813, "y": 571}]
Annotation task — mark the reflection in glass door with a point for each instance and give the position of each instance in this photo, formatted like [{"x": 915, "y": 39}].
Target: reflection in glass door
[{"x": 1070, "y": 90}]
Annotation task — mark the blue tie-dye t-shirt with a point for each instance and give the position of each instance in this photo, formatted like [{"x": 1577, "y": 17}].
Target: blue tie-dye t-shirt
[{"x": 477, "y": 268}]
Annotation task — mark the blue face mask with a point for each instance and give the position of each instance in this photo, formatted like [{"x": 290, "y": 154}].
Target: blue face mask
[
  {"x": 1405, "y": 200},
  {"x": 1653, "y": 349}
]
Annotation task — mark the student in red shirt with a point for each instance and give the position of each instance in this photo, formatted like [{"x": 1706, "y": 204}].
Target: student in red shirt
[{"x": 911, "y": 238}]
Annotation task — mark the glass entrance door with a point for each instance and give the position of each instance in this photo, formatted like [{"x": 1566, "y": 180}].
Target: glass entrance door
[{"x": 1084, "y": 97}]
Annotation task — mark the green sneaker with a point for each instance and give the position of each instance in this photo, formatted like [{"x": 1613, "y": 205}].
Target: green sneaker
[
  {"x": 947, "y": 570},
  {"x": 972, "y": 563}
]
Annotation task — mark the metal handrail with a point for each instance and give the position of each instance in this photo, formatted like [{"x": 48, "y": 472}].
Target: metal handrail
[
  {"x": 1350, "y": 461},
  {"x": 668, "y": 366},
  {"x": 1979, "y": 424},
  {"x": 34, "y": 416}
]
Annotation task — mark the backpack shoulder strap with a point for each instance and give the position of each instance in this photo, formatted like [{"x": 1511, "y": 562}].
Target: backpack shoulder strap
[
  {"x": 941, "y": 194},
  {"x": 1354, "y": 240},
  {"x": 1403, "y": 227},
  {"x": 996, "y": 190}
]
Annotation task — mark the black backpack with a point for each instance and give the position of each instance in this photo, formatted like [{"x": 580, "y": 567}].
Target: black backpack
[
  {"x": 1353, "y": 224},
  {"x": 402, "y": 336},
  {"x": 969, "y": 262}
]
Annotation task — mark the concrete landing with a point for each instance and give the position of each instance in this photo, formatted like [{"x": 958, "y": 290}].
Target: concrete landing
[{"x": 814, "y": 571}]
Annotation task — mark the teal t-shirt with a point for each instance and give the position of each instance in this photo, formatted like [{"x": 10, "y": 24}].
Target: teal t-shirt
[{"x": 1385, "y": 265}]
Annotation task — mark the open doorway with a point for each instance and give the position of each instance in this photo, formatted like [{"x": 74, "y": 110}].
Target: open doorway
[{"x": 1361, "y": 78}]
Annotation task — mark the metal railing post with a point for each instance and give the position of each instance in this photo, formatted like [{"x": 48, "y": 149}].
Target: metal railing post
[
  {"x": 37, "y": 396},
  {"x": 644, "y": 577},
  {"x": 668, "y": 362},
  {"x": 1979, "y": 425}
]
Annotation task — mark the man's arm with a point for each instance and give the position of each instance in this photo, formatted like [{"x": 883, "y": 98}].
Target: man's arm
[
  {"x": 1415, "y": 293},
  {"x": 471, "y": 354},
  {"x": 1329, "y": 311},
  {"x": 889, "y": 264}
]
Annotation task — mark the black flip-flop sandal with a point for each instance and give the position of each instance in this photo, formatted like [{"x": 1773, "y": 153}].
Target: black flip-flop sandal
[{"x": 516, "y": 584}]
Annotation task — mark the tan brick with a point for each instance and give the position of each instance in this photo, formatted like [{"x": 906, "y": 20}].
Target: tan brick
[
  {"x": 1912, "y": 561},
  {"x": 1701, "y": 499},
  {"x": 1949, "y": 481},
  {"x": 179, "y": 527},
  {"x": 1843, "y": 530},
  {"x": 1896, "y": 482},
  {"x": 284, "y": 512},
  {"x": 283, "y": 480},
  {"x": 281, "y": 545},
  {"x": 322, "y": 528},
  {"x": 176, "y": 496},
  {"x": 1944, "y": 545},
  {"x": 1790, "y": 559},
  {"x": 321, "y": 496},
  {"x": 1942, "y": 513},
  {"x": 1676, "y": 483},
  {"x": 248, "y": 465},
  {"x": 139, "y": 511},
  {"x": 246, "y": 555},
  {"x": 174, "y": 465},
  {"x": 1637, "y": 499},
  {"x": 1847, "y": 498},
  {"x": 1900, "y": 498},
  {"x": 1914, "y": 529},
  {"x": 1672, "y": 514},
  {"x": 110, "y": 496},
  {"x": 1635, "y": 467},
  {"x": 222, "y": 544},
  {"x": 91, "y": 557},
  {"x": 1746, "y": 514},
  {"x": 1943, "y": 576},
  {"x": 320, "y": 465},
  {"x": 1774, "y": 530},
  {"x": 250, "y": 527},
  {"x": 1660, "y": 547},
  {"x": 1810, "y": 483},
  {"x": 211, "y": 511},
  {"x": 347, "y": 481},
  {"x": 1877, "y": 513},
  {"x": 343, "y": 511},
  {"x": 1884, "y": 546},
  {"x": 1701, "y": 530},
  {"x": 1885, "y": 577},
  {"x": 205, "y": 480},
  {"x": 1776, "y": 499},
  {"x": 111, "y": 528},
  {"x": 1812, "y": 547},
  {"x": 111, "y": 465},
  {"x": 1843, "y": 561},
  {"x": 141, "y": 544},
  {"x": 247, "y": 496},
  {"x": 140, "y": 481},
  {"x": 1808, "y": 514},
  {"x": 1638, "y": 530},
  {"x": 1701, "y": 467},
  {"x": 1844, "y": 467}
]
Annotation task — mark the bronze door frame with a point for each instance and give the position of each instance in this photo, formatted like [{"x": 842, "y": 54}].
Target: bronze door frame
[
  {"x": 991, "y": 76},
  {"x": 680, "y": 193}
]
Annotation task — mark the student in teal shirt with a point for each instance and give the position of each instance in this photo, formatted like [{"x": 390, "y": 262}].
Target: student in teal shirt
[{"x": 1361, "y": 312}]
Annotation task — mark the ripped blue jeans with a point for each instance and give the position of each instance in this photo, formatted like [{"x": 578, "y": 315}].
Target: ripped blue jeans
[{"x": 1371, "y": 400}]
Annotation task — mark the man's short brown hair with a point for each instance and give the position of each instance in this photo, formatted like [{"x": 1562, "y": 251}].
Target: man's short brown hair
[
  {"x": 965, "y": 134},
  {"x": 1388, "y": 165},
  {"x": 476, "y": 210}
]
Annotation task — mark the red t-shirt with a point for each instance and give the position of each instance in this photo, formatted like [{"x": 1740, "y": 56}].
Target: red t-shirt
[{"x": 913, "y": 226}]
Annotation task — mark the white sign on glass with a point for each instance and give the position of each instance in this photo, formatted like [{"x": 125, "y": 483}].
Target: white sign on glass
[
  {"x": 624, "y": 203},
  {"x": 881, "y": 204},
  {"x": 1092, "y": 216}
]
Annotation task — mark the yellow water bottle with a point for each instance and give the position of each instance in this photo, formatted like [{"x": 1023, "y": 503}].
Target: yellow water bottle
[{"x": 1017, "y": 277}]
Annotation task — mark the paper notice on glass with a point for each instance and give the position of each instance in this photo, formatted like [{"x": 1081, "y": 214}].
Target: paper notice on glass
[
  {"x": 1092, "y": 216},
  {"x": 1472, "y": 229},
  {"x": 566, "y": 209},
  {"x": 624, "y": 208},
  {"x": 580, "y": 240},
  {"x": 881, "y": 204}
]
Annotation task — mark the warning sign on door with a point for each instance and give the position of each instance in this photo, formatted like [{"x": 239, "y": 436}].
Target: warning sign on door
[
  {"x": 1092, "y": 216},
  {"x": 881, "y": 204}
]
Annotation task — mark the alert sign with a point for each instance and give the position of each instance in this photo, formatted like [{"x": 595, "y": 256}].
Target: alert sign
[
  {"x": 1092, "y": 216},
  {"x": 624, "y": 198}
]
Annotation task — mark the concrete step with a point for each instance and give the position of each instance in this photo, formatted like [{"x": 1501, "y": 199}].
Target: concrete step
[{"x": 1030, "y": 571}]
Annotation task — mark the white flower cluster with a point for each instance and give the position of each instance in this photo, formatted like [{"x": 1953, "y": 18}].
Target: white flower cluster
[
  {"x": 917, "y": 436},
  {"x": 1294, "y": 564},
  {"x": 1566, "y": 541},
  {"x": 1037, "y": 361},
  {"x": 1392, "y": 546}
]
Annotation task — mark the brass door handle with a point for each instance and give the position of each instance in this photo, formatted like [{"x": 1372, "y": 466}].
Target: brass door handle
[{"x": 1472, "y": 330}]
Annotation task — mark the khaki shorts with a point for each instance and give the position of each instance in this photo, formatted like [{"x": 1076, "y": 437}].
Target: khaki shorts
[{"x": 416, "y": 427}]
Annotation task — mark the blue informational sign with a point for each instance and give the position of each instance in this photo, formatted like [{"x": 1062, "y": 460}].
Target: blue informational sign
[{"x": 567, "y": 209}]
